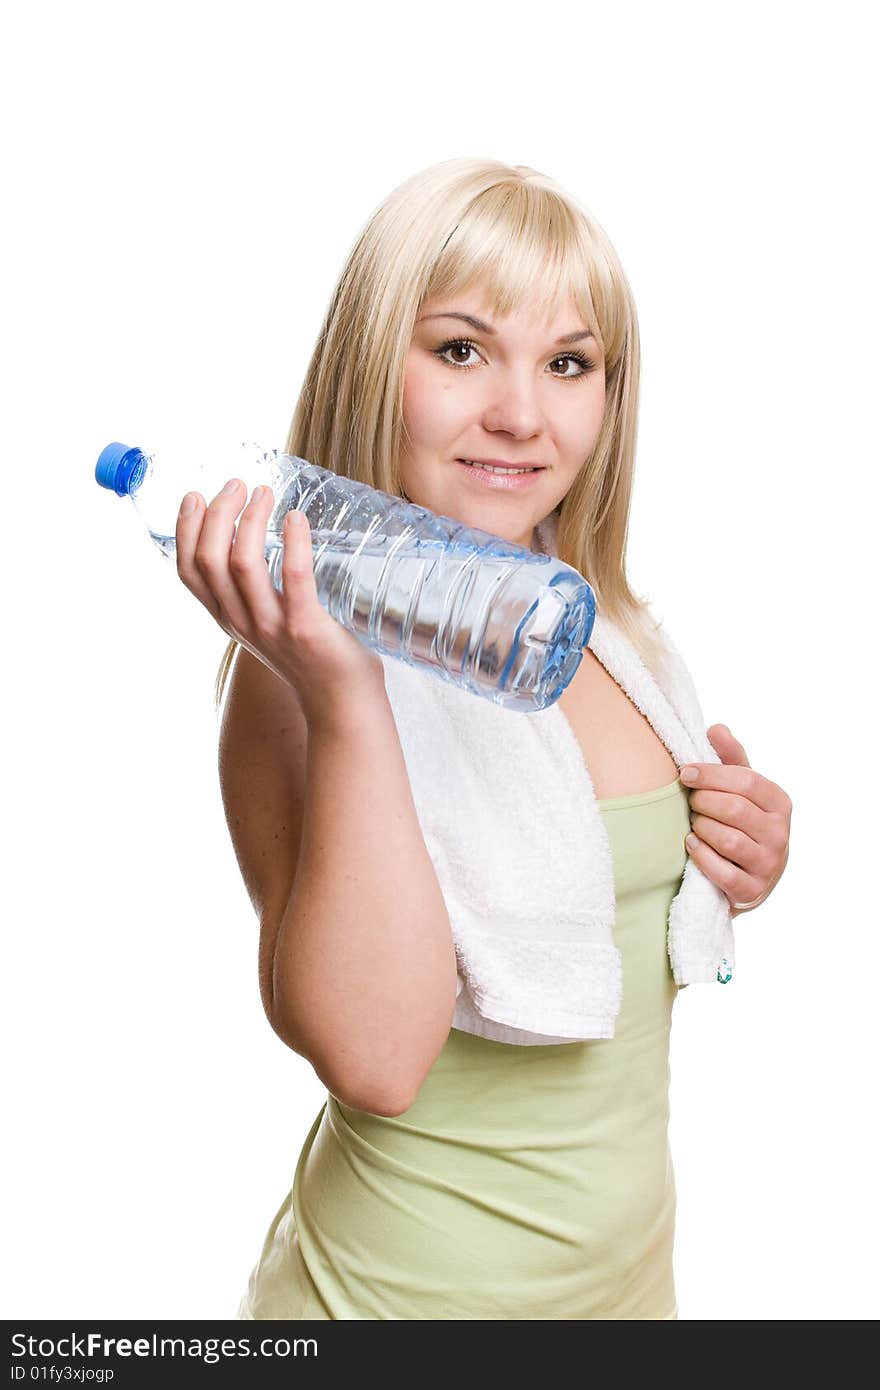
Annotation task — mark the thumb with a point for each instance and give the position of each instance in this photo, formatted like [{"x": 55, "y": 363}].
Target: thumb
[{"x": 729, "y": 749}]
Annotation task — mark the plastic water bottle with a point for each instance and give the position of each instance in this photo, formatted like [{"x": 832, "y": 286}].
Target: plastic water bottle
[{"x": 494, "y": 618}]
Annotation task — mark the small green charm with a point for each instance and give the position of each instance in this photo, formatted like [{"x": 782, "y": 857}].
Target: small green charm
[{"x": 724, "y": 979}]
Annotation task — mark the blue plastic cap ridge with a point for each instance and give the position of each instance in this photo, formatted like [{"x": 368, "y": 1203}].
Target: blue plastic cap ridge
[{"x": 115, "y": 466}]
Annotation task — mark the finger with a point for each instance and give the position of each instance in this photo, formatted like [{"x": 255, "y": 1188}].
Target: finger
[
  {"x": 213, "y": 553},
  {"x": 770, "y": 829},
  {"x": 735, "y": 882},
  {"x": 732, "y": 808},
  {"x": 747, "y": 854},
  {"x": 742, "y": 780},
  {"x": 299, "y": 591},
  {"x": 247, "y": 564},
  {"x": 186, "y": 537}
]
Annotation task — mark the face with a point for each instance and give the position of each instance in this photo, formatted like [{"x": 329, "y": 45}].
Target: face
[{"x": 504, "y": 391}]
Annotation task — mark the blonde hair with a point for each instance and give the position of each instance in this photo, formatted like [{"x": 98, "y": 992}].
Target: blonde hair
[{"x": 522, "y": 239}]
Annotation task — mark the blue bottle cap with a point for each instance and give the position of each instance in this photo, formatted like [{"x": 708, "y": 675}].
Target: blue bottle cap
[{"x": 120, "y": 467}]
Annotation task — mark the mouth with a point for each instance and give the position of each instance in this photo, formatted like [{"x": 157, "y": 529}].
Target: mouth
[{"x": 498, "y": 474}]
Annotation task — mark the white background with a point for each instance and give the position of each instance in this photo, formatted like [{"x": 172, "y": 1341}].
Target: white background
[{"x": 182, "y": 185}]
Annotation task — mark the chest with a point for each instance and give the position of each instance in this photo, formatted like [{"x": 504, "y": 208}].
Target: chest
[{"x": 622, "y": 753}]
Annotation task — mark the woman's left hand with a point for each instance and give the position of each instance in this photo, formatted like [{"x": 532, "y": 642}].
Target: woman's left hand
[{"x": 742, "y": 824}]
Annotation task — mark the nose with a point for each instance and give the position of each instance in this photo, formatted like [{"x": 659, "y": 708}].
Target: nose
[{"x": 514, "y": 406}]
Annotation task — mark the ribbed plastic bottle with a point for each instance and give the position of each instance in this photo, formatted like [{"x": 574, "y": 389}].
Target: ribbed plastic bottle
[{"x": 494, "y": 618}]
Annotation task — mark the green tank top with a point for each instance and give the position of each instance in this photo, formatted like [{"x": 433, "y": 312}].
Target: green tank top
[{"x": 523, "y": 1182}]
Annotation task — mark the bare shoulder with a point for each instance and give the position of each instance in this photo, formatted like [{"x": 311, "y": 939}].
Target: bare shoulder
[{"x": 262, "y": 767}]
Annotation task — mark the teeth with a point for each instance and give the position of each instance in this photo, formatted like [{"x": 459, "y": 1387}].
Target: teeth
[{"x": 487, "y": 468}]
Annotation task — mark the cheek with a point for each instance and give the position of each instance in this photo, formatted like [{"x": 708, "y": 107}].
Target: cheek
[
  {"x": 431, "y": 411},
  {"x": 583, "y": 422}
]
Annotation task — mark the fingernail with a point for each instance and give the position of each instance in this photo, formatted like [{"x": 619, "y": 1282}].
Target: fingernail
[
  {"x": 688, "y": 774},
  {"x": 257, "y": 494},
  {"x": 188, "y": 505},
  {"x": 231, "y": 485},
  {"x": 690, "y": 841}
]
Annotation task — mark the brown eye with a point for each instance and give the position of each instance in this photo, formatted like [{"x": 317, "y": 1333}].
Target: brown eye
[
  {"x": 464, "y": 343},
  {"x": 583, "y": 362},
  {"x": 466, "y": 346}
]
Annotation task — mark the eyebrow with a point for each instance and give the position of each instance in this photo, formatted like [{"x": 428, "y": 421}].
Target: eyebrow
[{"x": 482, "y": 327}]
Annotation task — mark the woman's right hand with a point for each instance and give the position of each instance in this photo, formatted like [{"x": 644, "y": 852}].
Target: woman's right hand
[{"x": 289, "y": 631}]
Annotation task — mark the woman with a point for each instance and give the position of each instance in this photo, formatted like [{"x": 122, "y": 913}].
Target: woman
[{"x": 470, "y": 1161}]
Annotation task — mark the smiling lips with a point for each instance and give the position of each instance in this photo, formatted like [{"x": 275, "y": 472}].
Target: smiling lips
[
  {"x": 503, "y": 463},
  {"x": 519, "y": 477}
]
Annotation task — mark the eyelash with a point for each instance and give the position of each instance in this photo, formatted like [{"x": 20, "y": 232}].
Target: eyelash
[{"x": 578, "y": 357}]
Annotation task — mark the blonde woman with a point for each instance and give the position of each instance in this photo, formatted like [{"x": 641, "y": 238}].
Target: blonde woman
[{"x": 483, "y": 1152}]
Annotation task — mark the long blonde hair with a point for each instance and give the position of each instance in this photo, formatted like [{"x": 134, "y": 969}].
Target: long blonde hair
[{"x": 521, "y": 238}]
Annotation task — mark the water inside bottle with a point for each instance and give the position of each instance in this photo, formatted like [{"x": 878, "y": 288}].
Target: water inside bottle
[
  {"x": 458, "y": 604},
  {"x": 470, "y": 616}
]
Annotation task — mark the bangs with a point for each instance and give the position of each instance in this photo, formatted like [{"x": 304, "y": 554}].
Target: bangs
[{"x": 520, "y": 245}]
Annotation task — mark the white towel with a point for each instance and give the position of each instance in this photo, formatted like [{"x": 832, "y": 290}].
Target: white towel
[{"x": 509, "y": 817}]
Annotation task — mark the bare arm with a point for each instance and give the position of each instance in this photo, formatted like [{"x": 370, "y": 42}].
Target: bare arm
[{"x": 356, "y": 962}]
